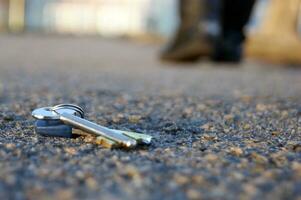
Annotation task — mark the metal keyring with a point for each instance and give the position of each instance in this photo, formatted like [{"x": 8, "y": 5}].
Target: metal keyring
[
  {"x": 47, "y": 113},
  {"x": 68, "y": 106}
]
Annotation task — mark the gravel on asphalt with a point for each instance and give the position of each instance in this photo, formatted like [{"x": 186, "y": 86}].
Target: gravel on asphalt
[{"x": 219, "y": 132}]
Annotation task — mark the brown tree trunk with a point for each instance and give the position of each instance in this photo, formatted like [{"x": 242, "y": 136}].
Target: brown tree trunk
[{"x": 278, "y": 39}]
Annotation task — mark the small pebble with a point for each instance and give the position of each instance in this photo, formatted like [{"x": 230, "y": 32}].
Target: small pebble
[
  {"x": 258, "y": 158},
  {"x": 134, "y": 118},
  {"x": 181, "y": 179},
  {"x": 193, "y": 194},
  {"x": 70, "y": 150},
  {"x": 236, "y": 151}
]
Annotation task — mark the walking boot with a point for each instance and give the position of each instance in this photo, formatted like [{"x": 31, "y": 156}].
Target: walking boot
[
  {"x": 228, "y": 48},
  {"x": 190, "y": 42}
]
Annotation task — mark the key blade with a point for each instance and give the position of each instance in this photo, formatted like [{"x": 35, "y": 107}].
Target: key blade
[
  {"x": 96, "y": 129},
  {"x": 107, "y": 143},
  {"x": 139, "y": 137}
]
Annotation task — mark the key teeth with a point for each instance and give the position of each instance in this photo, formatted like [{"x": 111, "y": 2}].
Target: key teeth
[
  {"x": 147, "y": 142},
  {"x": 130, "y": 144},
  {"x": 107, "y": 143},
  {"x": 140, "y": 138}
]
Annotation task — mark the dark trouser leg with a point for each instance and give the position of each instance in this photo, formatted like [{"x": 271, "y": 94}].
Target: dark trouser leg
[{"x": 235, "y": 15}]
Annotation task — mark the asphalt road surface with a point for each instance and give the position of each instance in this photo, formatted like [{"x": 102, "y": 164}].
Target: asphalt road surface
[{"x": 220, "y": 131}]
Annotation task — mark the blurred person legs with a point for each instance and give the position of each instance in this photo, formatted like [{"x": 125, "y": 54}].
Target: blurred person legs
[
  {"x": 278, "y": 38},
  {"x": 235, "y": 15},
  {"x": 189, "y": 41},
  {"x": 192, "y": 40}
]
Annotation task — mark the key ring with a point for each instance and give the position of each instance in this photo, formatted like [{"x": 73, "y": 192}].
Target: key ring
[
  {"x": 52, "y": 113},
  {"x": 68, "y": 114},
  {"x": 71, "y": 106}
]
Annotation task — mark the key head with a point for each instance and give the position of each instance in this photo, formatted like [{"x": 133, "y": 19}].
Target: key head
[{"x": 48, "y": 113}]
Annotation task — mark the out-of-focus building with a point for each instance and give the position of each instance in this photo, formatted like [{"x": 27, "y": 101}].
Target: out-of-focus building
[
  {"x": 104, "y": 17},
  {"x": 112, "y": 17}
]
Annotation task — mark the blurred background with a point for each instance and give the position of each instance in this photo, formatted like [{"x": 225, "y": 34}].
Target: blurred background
[
  {"x": 153, "y": 20},
  {"x": 101, "y": 17}
]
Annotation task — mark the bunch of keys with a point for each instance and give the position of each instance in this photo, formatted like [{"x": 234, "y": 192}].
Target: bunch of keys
[{"x": 63, "y": 120}]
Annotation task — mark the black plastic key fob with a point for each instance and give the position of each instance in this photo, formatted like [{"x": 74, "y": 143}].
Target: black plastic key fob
[{"x": 53, "y": 128}]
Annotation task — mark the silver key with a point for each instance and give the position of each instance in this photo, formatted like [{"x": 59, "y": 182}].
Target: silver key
[
  {"x": 68, "y": 116},
  {"x": 96, "y": 129}
]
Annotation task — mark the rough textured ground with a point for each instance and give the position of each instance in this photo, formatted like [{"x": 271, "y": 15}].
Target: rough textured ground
[{"x": 220, "y": 132}]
